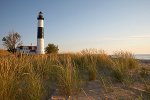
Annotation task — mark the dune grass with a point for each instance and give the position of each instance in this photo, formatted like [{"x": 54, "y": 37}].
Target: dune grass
[
  {"x": 4, "y": 52},
  {"x": 34, "y": 77}
]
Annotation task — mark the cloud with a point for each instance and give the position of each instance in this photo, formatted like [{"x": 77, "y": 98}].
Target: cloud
[
  {"x": 126, "y": 38},
  {"x": 140, "y": 37},
  {"x": 123, "y": 38},
  {"x": 114, "y": 38}
]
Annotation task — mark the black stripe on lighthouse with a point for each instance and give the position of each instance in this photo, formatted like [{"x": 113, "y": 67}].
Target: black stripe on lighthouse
[{"x": 40, "y": 33}]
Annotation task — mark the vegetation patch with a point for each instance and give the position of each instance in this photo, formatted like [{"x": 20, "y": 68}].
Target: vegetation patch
[{"x": 37, "y": 77}]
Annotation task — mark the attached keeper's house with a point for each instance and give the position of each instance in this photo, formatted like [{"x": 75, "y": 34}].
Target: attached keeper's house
[{"x": 27, "y": 49}]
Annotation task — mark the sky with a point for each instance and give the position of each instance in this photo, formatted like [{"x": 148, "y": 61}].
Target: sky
[{"x": 74, "y": 25}]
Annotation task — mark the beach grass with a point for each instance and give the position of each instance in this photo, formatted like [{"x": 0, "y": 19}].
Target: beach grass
[
  {"x": 36, "y": 77},
  {"x": 4, "y": 52}
]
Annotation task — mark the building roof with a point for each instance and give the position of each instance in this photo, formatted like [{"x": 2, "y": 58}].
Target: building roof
[{"x": 30, "y": 47}]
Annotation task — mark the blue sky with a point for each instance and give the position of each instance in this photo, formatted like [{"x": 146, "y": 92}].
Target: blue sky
[{"x": 73, "y": 25}]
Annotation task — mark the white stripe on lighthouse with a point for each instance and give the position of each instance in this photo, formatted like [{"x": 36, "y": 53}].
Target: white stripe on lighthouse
[
  {"x": 40, "y": 23},
  {"x": 40, "y": 46}
]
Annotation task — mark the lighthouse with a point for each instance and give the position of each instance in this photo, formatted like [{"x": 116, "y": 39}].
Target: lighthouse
[{"x": 40, "y": 34}]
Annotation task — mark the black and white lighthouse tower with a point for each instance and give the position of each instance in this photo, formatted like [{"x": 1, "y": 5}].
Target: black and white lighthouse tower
[{"x": 40, "y": 34}]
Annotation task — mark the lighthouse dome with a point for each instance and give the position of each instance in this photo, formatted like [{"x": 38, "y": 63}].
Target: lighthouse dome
[{"x": 40, "y": 16}]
